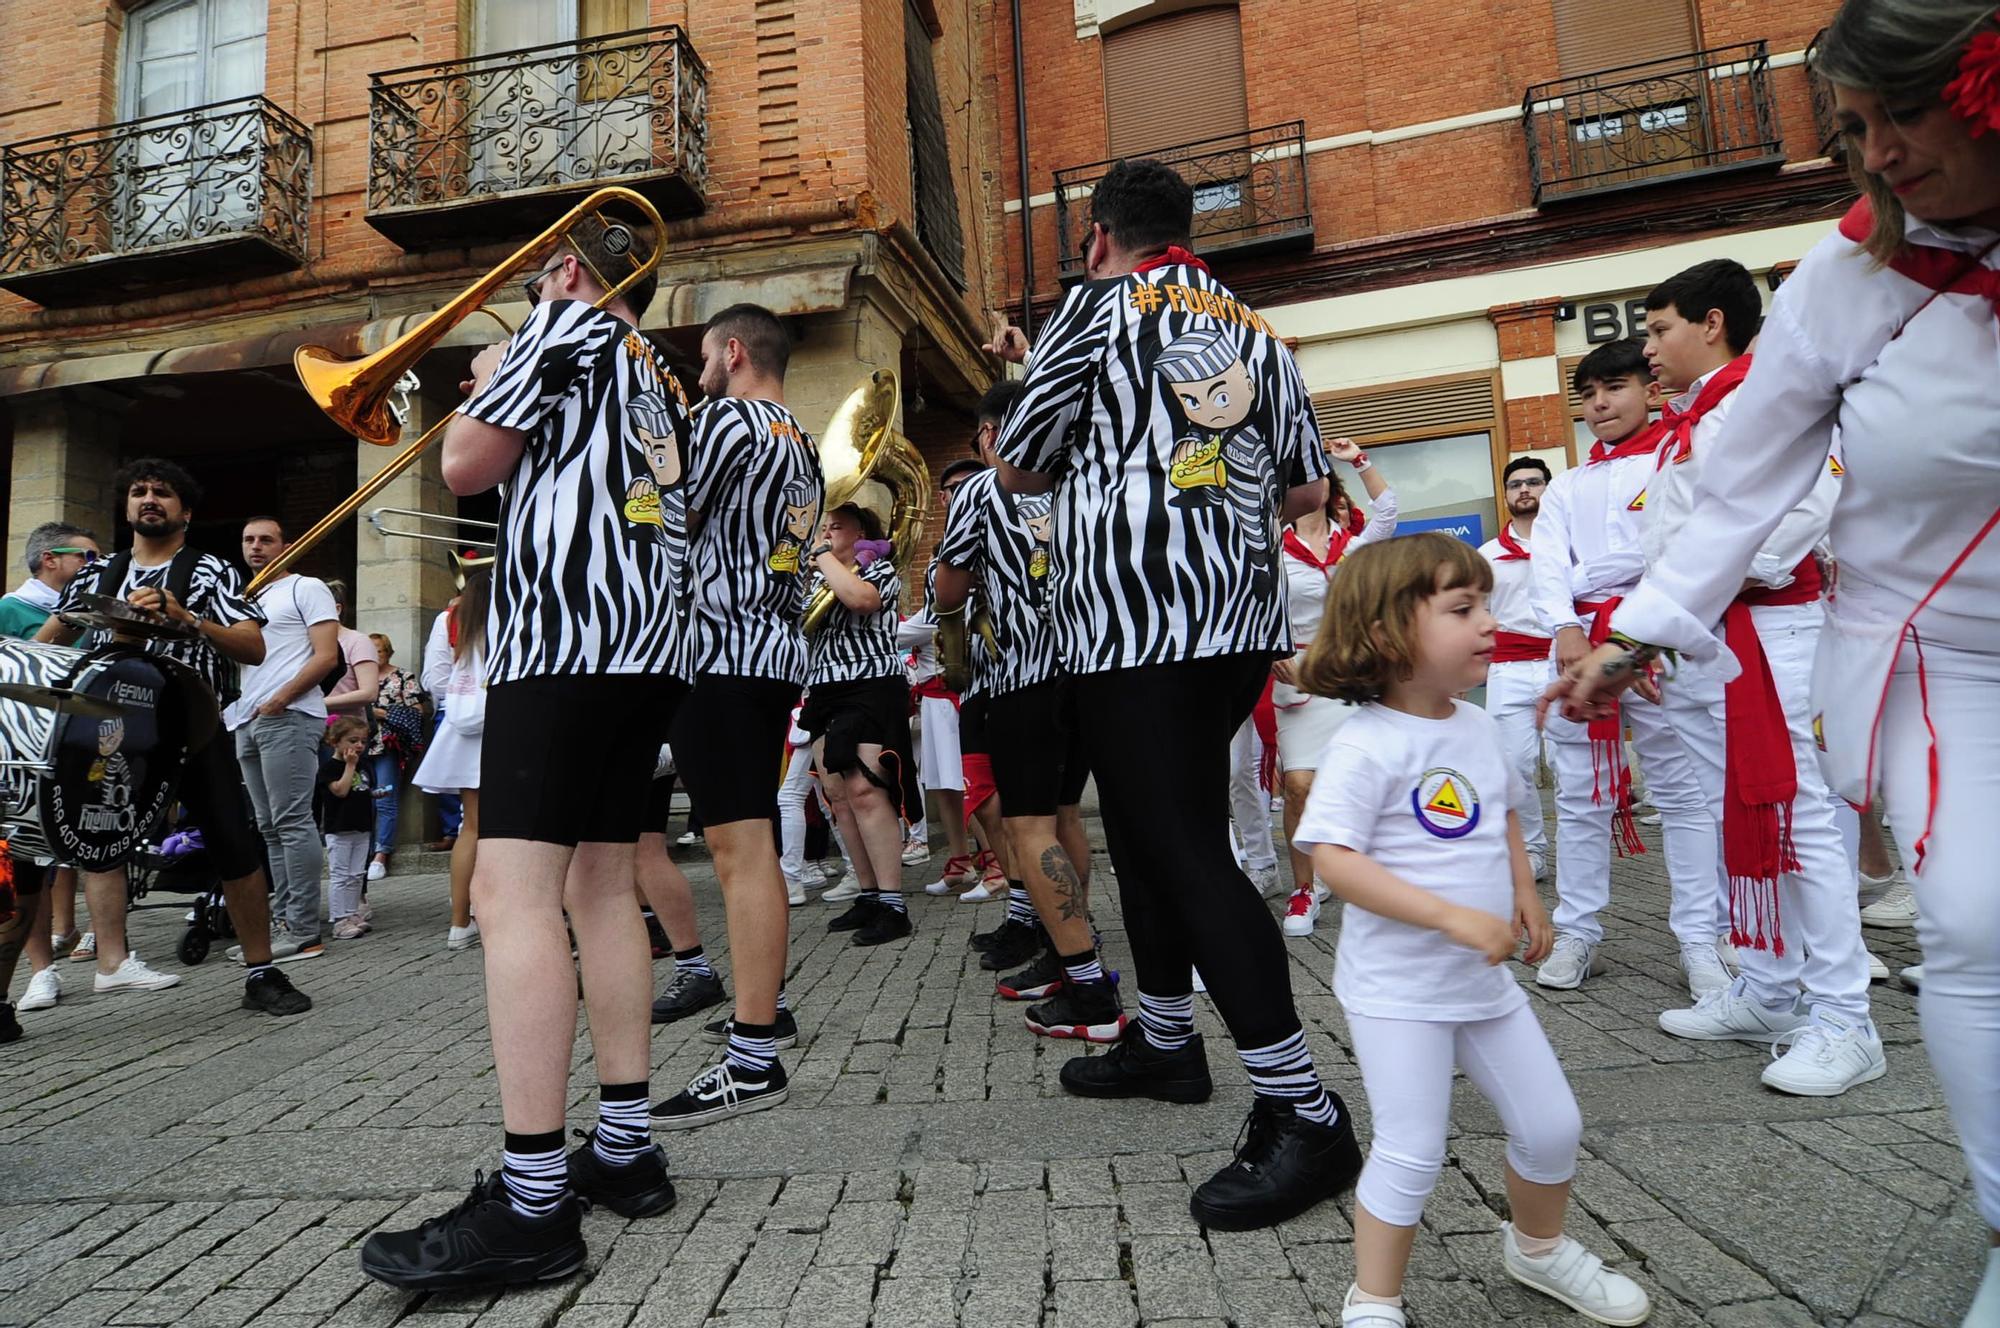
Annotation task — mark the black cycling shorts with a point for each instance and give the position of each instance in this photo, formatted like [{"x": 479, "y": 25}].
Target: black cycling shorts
[
  {"x": 570, "y": 759},
  {"x": 729, "y": 746},
  {"x": 1037, "y": 748}
]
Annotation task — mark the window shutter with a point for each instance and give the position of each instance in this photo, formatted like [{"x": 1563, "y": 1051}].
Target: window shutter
[
  {"x": 1593, "y": 35},
  {"x": 930, "y": 153},
  {"x": 1452, "y": 405},
  {"x": 1176, "y": 79},
  {"x": 600, "y": 18}
]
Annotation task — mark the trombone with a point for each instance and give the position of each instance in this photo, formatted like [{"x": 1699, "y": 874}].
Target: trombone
[
  {"x": 385, "y": 530},
  {"x": 357, "y": 394}
]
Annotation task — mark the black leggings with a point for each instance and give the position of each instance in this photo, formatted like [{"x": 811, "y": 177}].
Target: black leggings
[{"x": 1158, "y": 739}]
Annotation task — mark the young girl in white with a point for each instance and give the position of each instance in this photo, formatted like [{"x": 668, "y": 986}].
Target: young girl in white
[
  {"x": 1412, "y": 823},
  {"x": 451, "y": 762}
]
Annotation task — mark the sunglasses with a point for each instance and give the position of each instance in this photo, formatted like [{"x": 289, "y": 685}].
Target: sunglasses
[
  {"x": 89, "y": 556},
  {"x": 532, "y": 286}
]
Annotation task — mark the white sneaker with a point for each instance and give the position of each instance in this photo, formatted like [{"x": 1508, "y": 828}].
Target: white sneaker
[
  {"x": 1896, "y": 909},
  {"x": 44, "y": 990},
  {"x": 1727, "y": 954},
  {"x": 132, "y": 975},
  {"x": 1912, "y": 977},
  {"x": 1651, "y": 818},
  {"x": 1577, "y": 1278},
  {"x": 984, "y": 893},
  {"x": 1571, "y": 961},
  {"x": 840, "y": 894},
  {"x": 1828, "y": 1057},
  {"x": 1302, "y": 914},
  {"x": 916, "y": 854},
  {"x": 1538, "y": 865},
  {"x": 1877, "y": 970},
  {"x": 1704, "y": 969},
  {"x": 1732, "y": 1015},
  {"x": 795, "y": 891},
  {"x": 1264, "y": 878},
  {"x": 832, "y": 875},
  {"x": 1872, "y": 888},
  {"x": 462, "y": 938},
  {"x": 377, "y": 869},
  {"x": 1370, "y": 1316}
]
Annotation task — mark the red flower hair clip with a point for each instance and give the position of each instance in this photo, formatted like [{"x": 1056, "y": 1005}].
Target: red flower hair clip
[{"x": 1974, "y": 96}]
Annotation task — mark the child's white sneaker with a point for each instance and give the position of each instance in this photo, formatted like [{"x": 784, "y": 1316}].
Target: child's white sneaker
[
  {"x": 1370, "y": 1316},
  {"x": 1577, "y": 1278},
  {"x": 462, "y": 938}
]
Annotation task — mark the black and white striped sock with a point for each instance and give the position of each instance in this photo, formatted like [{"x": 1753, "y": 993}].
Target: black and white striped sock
[
  {"x": 534, "y": 1171},
  {"x": 753, "y": 1048},
  {"x": 1284, "y": 1070},
  {"x": 783, "y": 1003},
  {"x": 1019, "y": 907},
  {"x": 892, "y": 899},
  {"x": 624, "y": 1127},
  {"x": 1084, "y": 968},
  {"x": 693, "y": 961},
  {"x": 1166, "y": 1021}
]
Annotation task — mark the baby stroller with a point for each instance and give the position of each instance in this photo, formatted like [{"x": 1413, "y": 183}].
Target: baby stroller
[{"x": 177, "y": 863}]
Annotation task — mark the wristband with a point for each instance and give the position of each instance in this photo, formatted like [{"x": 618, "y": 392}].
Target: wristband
[{"x": 1361, "y": 463}]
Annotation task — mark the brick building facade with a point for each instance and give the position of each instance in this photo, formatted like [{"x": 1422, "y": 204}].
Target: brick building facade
[{"x": 1441, "y": 206}]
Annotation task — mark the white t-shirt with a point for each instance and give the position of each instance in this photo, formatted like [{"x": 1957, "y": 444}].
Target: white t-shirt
[
  {"x": 292, "y": 606},
  {"x": 1427, "y": 799}
]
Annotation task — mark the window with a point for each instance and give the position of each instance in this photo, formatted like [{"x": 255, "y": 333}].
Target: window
[
  {"x": 562, "y": 115},
  {"x": 180, "y": 54},
  {"x": 930, "y": 152},
  {"x": 1434, "y": 441},
  {"x": 1173, "y": 80}
]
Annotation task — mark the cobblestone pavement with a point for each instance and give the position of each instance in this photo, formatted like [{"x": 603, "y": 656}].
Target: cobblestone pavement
[{"x": 169, "y": 1159}]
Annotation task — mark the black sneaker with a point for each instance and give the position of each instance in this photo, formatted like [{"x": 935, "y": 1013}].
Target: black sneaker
[
  {"x": 888, "y": 924},
  {"x": 482, "y": 1242},
  {"x": 1086, "y": 1011},
  {"x": 10, "y": 1026},
  {"x": 1284, "y": 1165},
  {"x": 1134, "y": 1068},
  {"x": 1035, "y": 982},
  {"x": 787, "y": 1035},
  {"x": 689, "y": 993},
  {"x": 639, "y": 1188},
  {"x": 1008, "y": 929},
  {"x": 273, "y": 993},
  {"x": 858, "y": 913},
  {"x": 1016, "y": 948},
  {"x": 721, "y": 1092}
]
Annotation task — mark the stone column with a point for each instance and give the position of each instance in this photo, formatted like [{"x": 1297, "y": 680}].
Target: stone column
[
  {"x": 65, "y": 450},
  {"x": 834, "y": 353}
]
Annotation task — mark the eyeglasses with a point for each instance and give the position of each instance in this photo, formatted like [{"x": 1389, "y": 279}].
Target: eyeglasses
[
  {"x": 532, "y": 286},
  {"x": 1531, "y": 482},
  {"x": 89, "y": 556}
]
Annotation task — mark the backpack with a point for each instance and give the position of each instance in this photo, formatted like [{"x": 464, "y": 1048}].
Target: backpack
[{"x": 180, "y": 573}]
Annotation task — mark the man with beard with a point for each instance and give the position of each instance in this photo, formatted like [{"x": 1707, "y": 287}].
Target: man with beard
[
  {"x": 1521, "y": 649},
  {"x": 162, "y": 575}
]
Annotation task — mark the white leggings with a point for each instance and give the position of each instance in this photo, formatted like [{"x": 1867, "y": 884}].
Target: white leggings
[
  {"x": 1249, "y": 803},
  {"x": 1406, "y": 1066},
  {"x": 1958, "y": 898},
  {"x": 798, "y": 785}
]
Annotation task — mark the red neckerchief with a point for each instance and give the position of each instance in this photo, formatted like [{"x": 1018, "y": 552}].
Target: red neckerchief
[
  {"x": 1515, "y": 553},
  {"x": 1679, "y": 424},
  {"x": 1941, "y": 270},
  {"x": 1175, "y": 255},
  {"x": 1302, "y": 551},
  {"x": 1641, "y": 441}
]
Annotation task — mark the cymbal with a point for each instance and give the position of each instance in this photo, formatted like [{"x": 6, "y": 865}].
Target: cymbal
[
  {"x": 62, "y": 699},
  {"x": 103, "y": 613}
]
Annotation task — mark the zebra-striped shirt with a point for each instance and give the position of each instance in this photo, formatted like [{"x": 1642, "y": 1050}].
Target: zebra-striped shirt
[
  {"x": 851, "y": 646},
  {"x": 215, "y": 594},
  {"x": 590, "y": 572},
  {"x": 1174, "y": 420},
  {"x": 1003, "y": 537},
  {"x": 754, "y": 484}
]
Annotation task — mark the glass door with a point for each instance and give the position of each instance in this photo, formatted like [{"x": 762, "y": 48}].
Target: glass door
[
  {"x": 522, "y": 113},
  {"x": 179, "y": 178}
]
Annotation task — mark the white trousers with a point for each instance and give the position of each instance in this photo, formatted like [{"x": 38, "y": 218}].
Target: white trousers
[
  {"x": 1821, "y": 915},
  {"x": 798, "y": 785},
  {"x": 939, "y": 764},
  {"x": 346, "y": 871},
  {"x": 1689, "y": 828},
  {"x": 1249, "y": 801},
  {"x": 1512, "y": 689},
  {"x": 1406, "y": 1067},
  {"x": 1958, "y": 901}
]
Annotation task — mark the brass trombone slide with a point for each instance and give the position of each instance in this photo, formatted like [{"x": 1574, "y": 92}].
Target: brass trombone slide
[
  {"x": 386, "y": 531},
  {"x": 356, "y": 393}
]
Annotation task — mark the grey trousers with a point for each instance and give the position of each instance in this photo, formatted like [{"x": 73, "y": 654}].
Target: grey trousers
[{"x": 280, "y": 759}]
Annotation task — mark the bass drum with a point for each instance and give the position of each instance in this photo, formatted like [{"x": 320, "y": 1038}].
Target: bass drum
[{"x": 91, "y": 765}]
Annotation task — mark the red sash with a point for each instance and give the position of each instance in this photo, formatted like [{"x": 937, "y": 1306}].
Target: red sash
[
  {"x": 1265, "y": 716},
  {"x": 1607, "y": 744},
  {"x": 1679, "y": 424},
  {"x": 1513, "y": 647},
  {"x": 934, "y": 687}
]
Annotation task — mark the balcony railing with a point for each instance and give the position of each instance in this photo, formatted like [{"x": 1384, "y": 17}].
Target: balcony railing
[
  {"x": 1250, "y": 193},
  {"x": 497, "y": 144},
  {"x": 120, "y": 210},
  {"x": 1636, "y": 125},
  {"x": 1825, "y": 124}
]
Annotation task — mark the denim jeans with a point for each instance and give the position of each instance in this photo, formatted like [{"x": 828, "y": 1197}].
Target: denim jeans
[
  {"x": 280, "y": 759},
  {"x": 388, "y": 791}
]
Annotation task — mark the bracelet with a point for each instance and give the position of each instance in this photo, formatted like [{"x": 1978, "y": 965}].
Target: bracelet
[{"x": 1361, "y": 463}]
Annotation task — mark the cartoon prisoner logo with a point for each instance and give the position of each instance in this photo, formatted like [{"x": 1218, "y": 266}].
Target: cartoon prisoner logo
[
  {"x": 1037, "y": 512},
  {"x": 801, "y": 498},
  {"x": 1446, "y": 803}
]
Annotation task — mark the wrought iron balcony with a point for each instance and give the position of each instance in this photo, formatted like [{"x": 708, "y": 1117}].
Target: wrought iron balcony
[
  {"x": 497, "y": 145},
  {"x": 1636, "y": 125},
  {"x": 1826, "y": 125},
  {"x": 124, "y": 210},
  {"x": 1250, "y": 194}
]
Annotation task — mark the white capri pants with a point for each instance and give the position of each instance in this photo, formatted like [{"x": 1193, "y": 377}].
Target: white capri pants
[
  {"x": 1249, "y": 804},
  {"x": 1512, "y": 690},
  {"x": 1958, "y": 902},
  {"x": 1406, "y": 1067},
  {"x": 939, "y": 764}
]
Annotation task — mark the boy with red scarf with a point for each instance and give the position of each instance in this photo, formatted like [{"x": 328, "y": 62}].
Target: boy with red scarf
[
  {"x": 1521, "y": 650},
  {"x": 1793, "y": 915},
  {"x": 1587, "y": 555}
]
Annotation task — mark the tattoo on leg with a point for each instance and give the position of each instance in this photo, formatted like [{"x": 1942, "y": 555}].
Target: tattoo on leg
[{"x": 1062, "y": 875}]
